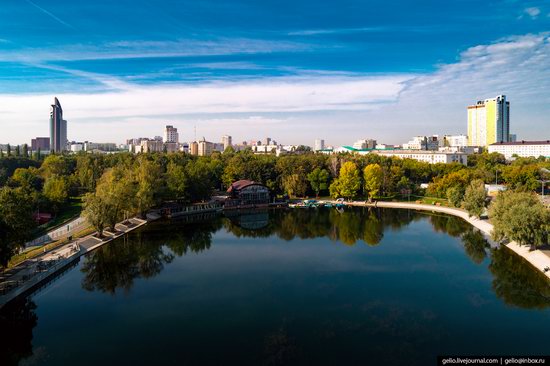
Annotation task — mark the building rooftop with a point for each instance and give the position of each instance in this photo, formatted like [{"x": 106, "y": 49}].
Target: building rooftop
[
  {"x": 240, "y": 184},
  {"x": 522, "y": 142},
  {"x": 400, "y": 151}
]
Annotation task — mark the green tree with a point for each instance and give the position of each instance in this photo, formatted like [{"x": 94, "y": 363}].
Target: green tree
[
  {"x": 8, "y": 150},
  {"x": 474, "y": 198},
  {"x": 116, "y": 189},
  {"x": 89, "y": 168},
  {"x": 348, "y": 183},
  {"x": 455, "y": 195},
  {"x": 148, "y": 176},
  {"x": 96, "y": 211},
  {"x": 56, "y": 165},
  {"x": 295, "y": 185},
  {"x": 373, "y": 175},
  {"x": 520, "y": 216},
  {"x": 318, "y": 179},
  {"x": 56, "y": 189},
  {"x": 176, "y": 180},
  {"x": 441, "y": 184},
  {"x": 16, "y": 222},
  {"x": 17, "y": 151},
  {"x": 28, "y": 179},
  {"x": 201, "y": 177}
]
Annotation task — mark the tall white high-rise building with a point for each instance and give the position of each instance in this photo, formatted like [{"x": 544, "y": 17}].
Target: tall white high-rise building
[
  {"x": 226, "y": 141},
  {"x": 171, "y": 134},
  {"x": 489, "y": 121},
  {"x": 319, "y": 145}
]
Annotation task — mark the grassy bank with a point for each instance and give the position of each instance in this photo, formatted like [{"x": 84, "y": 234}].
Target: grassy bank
[
  {"x": 70, "y": 211},
  {"x": 35, "y": 252}
]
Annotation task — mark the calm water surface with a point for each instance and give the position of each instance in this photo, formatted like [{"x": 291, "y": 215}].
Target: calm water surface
[{"x": 303, "y": 287}]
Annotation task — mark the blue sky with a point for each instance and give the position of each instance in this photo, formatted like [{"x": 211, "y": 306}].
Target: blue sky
[{"x": 292, "y": 70}]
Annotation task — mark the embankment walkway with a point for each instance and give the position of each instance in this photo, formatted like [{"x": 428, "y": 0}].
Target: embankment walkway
[
  {"x": 537, "y": 258},
  {"x": 32, "y": 272}
]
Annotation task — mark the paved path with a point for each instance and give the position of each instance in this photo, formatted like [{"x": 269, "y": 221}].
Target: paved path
[
  {"x": 539, "y": 259},
  {"x": 63, "y": 231},
  {"x": 31, "y": 272}
]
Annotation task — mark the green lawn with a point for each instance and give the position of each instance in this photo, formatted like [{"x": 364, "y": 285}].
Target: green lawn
[{"x": 413, "y": 198}]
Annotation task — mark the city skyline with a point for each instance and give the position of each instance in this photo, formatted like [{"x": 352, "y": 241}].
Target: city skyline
[{"x": 346, "y": 72}]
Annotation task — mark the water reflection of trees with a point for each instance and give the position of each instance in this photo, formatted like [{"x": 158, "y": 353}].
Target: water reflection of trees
[
  {"x": 17, "y": 321},
  {"x": 348, "y": 227},
  {"x": 475, "y": 245},
  {"x": 143, "y": 253},
  {"x": 516, "y": 282}
]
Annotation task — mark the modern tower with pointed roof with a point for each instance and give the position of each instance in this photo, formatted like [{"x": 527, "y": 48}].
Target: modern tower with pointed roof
[{"x": 58, "y": 128}]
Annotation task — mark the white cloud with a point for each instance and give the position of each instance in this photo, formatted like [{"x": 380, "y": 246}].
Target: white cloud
[
  {"x": 517, "y": 66},
  {"x": 338, "y": 107},
  {"x": 267, "y": 95},
  {"x": 314, "y": 32},
  {"x": 533, "y": 12}
]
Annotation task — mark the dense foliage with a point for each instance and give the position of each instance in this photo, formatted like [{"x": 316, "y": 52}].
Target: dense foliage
[
  {"x": 115, "y": 186},
  {"x": 520, "y": 216}
]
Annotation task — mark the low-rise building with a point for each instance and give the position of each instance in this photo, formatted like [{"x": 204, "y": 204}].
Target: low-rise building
[
  {"x": 364, "y": 144},
  {"x": 247, "y": 193},
  {"x": 148, "y": 146},
  {"x": 423, "y": 143},
  {"x": 101, "y": 146},
  {"x": 40, "y": 143},
  {"x": 76, "y": 147},
  {"x": 432, "y": 157},
  {"x": 521, "y": 148},
  {"x": 454, "y": 141},
  {"x": 171, "y": 147}
]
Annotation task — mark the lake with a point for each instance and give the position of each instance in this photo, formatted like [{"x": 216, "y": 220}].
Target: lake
[{"x": 285, "y": 287}]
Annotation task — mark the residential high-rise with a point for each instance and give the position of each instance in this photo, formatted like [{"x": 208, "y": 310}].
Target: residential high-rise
[
  {"x": 319, "y": 145},
  {"x": 489, "y": 121},
  {"x": 171, "y": 134},
  {"x": 226, "y": 141},
  {"x": 204, "y": 147},
  {"x": 58, "y": 128}
]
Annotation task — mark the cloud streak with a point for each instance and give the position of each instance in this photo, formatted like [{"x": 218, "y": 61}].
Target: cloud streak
[
  {"x": 51, "y": 15},
  {"x": 153, "y": 49}
]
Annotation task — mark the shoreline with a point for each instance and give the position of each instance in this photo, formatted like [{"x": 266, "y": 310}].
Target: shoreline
[
  {"x": 536, "y": 258},
  {"x": 85, "y": 245}
]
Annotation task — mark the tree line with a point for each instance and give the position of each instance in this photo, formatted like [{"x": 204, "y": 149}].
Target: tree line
[{"x": 119, "y": 185}]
